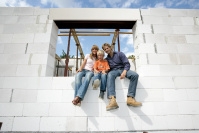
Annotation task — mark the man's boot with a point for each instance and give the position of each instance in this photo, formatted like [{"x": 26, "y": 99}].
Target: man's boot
[
  {"x": 112, "y": 104},
  {"x": 132, "y": 102}
]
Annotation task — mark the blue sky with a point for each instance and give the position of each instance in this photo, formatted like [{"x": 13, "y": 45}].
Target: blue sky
[{"x": 126, "y": 41}]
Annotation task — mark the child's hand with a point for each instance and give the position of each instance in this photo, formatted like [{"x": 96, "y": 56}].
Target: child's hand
[
  {"x": 79, "y": 70},
  {"x": 104, "y": 72}
]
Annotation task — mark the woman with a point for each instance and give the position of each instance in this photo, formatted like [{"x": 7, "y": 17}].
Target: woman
[{"x": 86, "y": 71}]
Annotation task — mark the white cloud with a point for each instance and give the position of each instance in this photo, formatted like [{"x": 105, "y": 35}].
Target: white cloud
[
  {"x": 65, "y": 3},
  {"x": 14, "y": 3},
  {"x": 44, "y": 2},
  {"x": 98, "y": 3},
  {"x": 128, "y": 3},
  {"x": 160, "y": 5},
  {"x": 122, "y": 3},
  {"x": 59, "y": 40},
  {"x": 128, "y": 38},
  {"x": 125, "y": 50},
  {"x": 129, "y": 53}
]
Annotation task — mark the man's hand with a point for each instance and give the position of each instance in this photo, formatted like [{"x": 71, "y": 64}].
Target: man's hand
[{"x": 122, "y": 76}]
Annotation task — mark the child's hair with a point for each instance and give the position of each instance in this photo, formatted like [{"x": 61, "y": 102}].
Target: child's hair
[
  {"x": 91, "y": 54},
  {"x": 106, "y": 44},
  {"x": 100, "y": 52}
]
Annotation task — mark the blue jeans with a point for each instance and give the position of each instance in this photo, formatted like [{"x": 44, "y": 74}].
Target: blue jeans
[
  {"x": 103, "y": 78},
  {"x": 131, "y": 75},
  {"x": 81, "y": 87}
]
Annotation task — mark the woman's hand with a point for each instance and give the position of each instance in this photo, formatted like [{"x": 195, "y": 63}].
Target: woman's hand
[{"x": 79, "y": 70}]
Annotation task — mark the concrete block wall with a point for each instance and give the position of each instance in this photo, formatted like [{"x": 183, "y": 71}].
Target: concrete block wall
[
  {"x": 167, "y": 62},
  {"x": 167, "y": 51},
  {"x": 27, "y": 42}
]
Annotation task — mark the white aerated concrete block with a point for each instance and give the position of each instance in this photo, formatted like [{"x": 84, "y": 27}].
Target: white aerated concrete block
[
  {"x": 159, "y": 12},
  {"x": 193, "y": 94},
  {"x": 29, "y": 70},
  {"x": 1, "y": 28},
  {"x": 15, "y": 48},
  {"x": 24, "y": 96},
  {"x": 188, "y": 48},
  {"x": 170, "y": 70},
  {"x": 177, "y": 12},
  {"x": 18, "y": 58},
  {"x": 185, "y": 59},
  {"x": 63, "y": 83},
  {"x": 104, "y": 124},
  {"x": 190, "y": 70},
  {"x": 6, "y": 38},
  {"x": 166, "y": 48},
  {"x": 185, "y": 30},
  {"x": 23, "y": 38},
  {"x": 149, "y": 70},
  {"x": 1, "y": 48},
  {"x": 175, "y": 95},
  {"x": 26, "y": 124},
  {"x": 185, "y": 82},
  {"x": 11, "y": 109},
  {"x": 7, "y": 123},
  {"x": 5, "y": 95},
  {"x": 63, "y": 109},
  {"x": 127, "y": 123},
  {"x": 38, "y": 59},
  {"x": 6, "y": 10},
  {"x": 184, "y": 122},
  {"x": 195, "y": 119},
  {"x": 1, "y": 82},
  {"x": 36, "y": 109},
  {"x": 155, "y": 38},
  {"x": 63, "y": 124},
  {"x": 43, "y": 19},
  {"x": 151, "y": 122},
  {"x": 49, "y": 96},
  {"x": 23, "y": 11},
  {"x": 155, "y": 82},
  {"x": 41, "y": 11},
  {"x": 179, "y": 39},
  {"x": 27, "y": 19},
  {"x": 11, "y": 19},
  {"x": 162, "y": 59},
  {"x": 8, "y": 70},
  {"x": 42, "y": 38},
  {"x": 146, "y": 48},
  {"x": 159, "y": 29},
  {"x": 68, "y": 95},
  {"x": 38, "y": 48},
  {"x": 166, "y": 108},
  {"x": 188, "y": 107},
  {"x": 143, "y": 28},
  {"x": 192, "y": 38}
]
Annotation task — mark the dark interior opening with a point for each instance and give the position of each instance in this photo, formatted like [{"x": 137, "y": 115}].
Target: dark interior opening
[
  {"x": 95, "y": 24},
  {"x": 1, "y": 123}
]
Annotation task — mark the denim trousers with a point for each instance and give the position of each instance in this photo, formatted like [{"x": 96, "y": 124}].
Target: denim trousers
[
  {"x": 103, "y": 78},
  {"x": 81, "y": 86},
  {"x": 131, "y": 75}
]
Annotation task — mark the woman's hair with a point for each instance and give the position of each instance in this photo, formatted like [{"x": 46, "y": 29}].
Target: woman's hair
[
  {"x": 100, "y": 52},
  {"x": 106, "y": 44},
  {"x": 91, "y": 54}
]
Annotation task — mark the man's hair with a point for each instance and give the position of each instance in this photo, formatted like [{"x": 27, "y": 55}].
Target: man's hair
[
  {"x": 100, "y": 52},
  {"x": 106, "y": 44}
]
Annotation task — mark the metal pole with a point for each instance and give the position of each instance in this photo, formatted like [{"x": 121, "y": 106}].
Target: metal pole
[
  {"x": 77, "y": 57},
  {"x": 118, "y": 40},
  {"x": 67, "y": 56}
]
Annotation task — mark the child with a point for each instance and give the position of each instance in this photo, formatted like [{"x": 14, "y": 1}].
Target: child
[{"x": 101, "y": 68}]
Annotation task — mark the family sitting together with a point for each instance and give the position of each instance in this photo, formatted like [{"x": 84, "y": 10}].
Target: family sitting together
[{"x": 105, "y": 72}]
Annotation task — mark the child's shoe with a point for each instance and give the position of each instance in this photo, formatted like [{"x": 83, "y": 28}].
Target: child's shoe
[
  {"x": 96, "y": 84},
  {"x": 101, "y": 95}
]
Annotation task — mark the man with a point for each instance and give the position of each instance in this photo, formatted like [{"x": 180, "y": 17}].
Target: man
[{"x": 119, "y": 66}]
